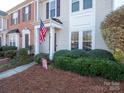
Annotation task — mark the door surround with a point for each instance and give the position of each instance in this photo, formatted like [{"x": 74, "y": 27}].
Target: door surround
[{"x": 24, "y": 32}]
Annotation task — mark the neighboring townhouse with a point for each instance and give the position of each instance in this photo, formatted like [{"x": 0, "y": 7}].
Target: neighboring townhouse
[
  {"x": 20, "y": 27},
  {"x": 3, "y": 28},
  {"x": 72, "y": 24}
]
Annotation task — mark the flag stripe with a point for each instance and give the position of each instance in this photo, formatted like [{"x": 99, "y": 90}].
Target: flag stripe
[{"x": 43, "y": 32}]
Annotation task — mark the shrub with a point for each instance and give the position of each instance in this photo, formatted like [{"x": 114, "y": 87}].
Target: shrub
[
  {"x": 6, "y": 48},
  {"x": 1, "y": 54},
  {"x": 92, "y": 67},
  {"x": 60, "y": 53},
  {"x": 10, "y": 53},
  {"x": 77, "y": 53},
  {"x": 101, "y": 54},
  {"x": 119, "y": 55},
  {"x": 38, "y": 57},
  {"x": 113, "y": 29},
  {"x": 22, "y": 54}
]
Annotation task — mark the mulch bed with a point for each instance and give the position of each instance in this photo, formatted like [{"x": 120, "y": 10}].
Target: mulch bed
[{"x": 39, "y": 80}]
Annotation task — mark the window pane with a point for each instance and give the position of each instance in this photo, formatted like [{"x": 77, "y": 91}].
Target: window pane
[
  {"x": 87, "y": 40},
  {"x": 52, "y": 13},
  {"x": 75, "y": 6},
  {"x": 53, "y": 4},
  {"x": 87, "y": 4},
  {"x": 74, "y": 40}
]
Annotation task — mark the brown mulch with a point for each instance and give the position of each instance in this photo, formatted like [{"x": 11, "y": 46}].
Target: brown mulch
[{"x": 39, "y": 80}]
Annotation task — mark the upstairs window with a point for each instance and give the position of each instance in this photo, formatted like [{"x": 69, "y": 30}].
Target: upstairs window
[
  {"x": 75, "y": 5},
  {"x": 27, "y": 13},
  {"x": 87, "y": 4},
  {"x": 15, "y": 18},
  {"x": 52, "y": 9}
]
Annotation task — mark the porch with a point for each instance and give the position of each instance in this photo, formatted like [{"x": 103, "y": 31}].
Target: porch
[{"x": 49, "y": 45}]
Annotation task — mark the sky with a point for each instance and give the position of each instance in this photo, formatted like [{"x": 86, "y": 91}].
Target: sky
[
  {"x": 5, "y": 5},
  {"x": 118, "y": 3}
]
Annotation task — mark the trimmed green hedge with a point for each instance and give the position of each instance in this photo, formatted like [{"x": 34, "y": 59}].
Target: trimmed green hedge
[
  {"x": 101, "y": 54},
  {"x": 6, "y": 48},
  {"x": 38, "y": 57},
  {"x": 92, "y": 67},
  {"x": 1, "y": 54},
  {"x": 10, "y": 54},
  {"x": 60, "y": 53},
  {"x": 21, "y": 58}
]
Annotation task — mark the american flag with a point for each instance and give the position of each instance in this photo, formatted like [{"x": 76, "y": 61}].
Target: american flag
[{"x": 43, "y": 32}]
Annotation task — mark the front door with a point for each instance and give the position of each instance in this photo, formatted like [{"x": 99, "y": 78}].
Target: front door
[
  {"x": 26, "y": 40},
  {"x": 55, "y": 43},
  {"x": 0, "y": 41}
]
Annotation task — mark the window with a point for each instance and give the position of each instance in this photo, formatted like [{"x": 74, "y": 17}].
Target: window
[
  {"x": 0, "y": 23},
  {"x": 12, "y": 40},
  {"x": 15, "y": 18},
  {"x": 27, "y": 13},
  {"x": 52, "y": 9},
  {"x": 74, "y": 40},
  {"x": 87, "y": 4},
  {"x": 87, "y": 40},
  {"x": 75, "y": 5}
]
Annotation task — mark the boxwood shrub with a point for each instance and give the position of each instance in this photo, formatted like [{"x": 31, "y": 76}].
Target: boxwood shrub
[
  {"x": 101, "y": 54},
  {"x": 77, "y": 53},
  {"x": 92, "y": 67},
  {"x": 60, "y": 53},
  {"x": 38, "y": 57},
  {"x": 1, "y": 54},
  {"x": 10, "y": 54},
  {"x": 6, "y": 48}
]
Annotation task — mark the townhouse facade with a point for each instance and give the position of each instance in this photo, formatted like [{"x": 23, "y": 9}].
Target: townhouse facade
[
  {"x": 80, "y": 28},
  {"x": 20, "y": 27},
  {"x": 71, "y": 24}
]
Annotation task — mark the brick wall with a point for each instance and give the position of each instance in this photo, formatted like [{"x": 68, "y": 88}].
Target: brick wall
[{"x": 22, "y": 25}]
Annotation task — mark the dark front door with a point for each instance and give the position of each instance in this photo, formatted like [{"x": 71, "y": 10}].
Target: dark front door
[
  {"x": 26, "y": 40},
  {"x": 55, "y": 43},
  {"x": 0, "y": 41}
]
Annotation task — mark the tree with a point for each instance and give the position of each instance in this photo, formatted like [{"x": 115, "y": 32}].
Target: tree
[{"x": 113, "y": 29}]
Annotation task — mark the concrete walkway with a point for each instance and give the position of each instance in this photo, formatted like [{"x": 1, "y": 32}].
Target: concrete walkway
[{"x": 14, "y": 71}]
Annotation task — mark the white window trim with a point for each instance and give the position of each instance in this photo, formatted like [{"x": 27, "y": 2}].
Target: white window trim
[
  {"x": 80, "y": 39},
  {"x": 81, "y": 7}
]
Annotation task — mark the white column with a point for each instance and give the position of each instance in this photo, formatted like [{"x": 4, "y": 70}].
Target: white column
[
  {"x": 52, "y": 33},
  {"x": 80, "y": 40},
  {"x": 36, "y": 42}
]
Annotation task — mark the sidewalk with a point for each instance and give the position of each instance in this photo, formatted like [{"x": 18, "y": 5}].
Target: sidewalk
[{"x": 15, "y": 70}]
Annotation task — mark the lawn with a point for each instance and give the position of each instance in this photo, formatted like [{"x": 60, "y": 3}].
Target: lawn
[{"x": 38, "y": 80}]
